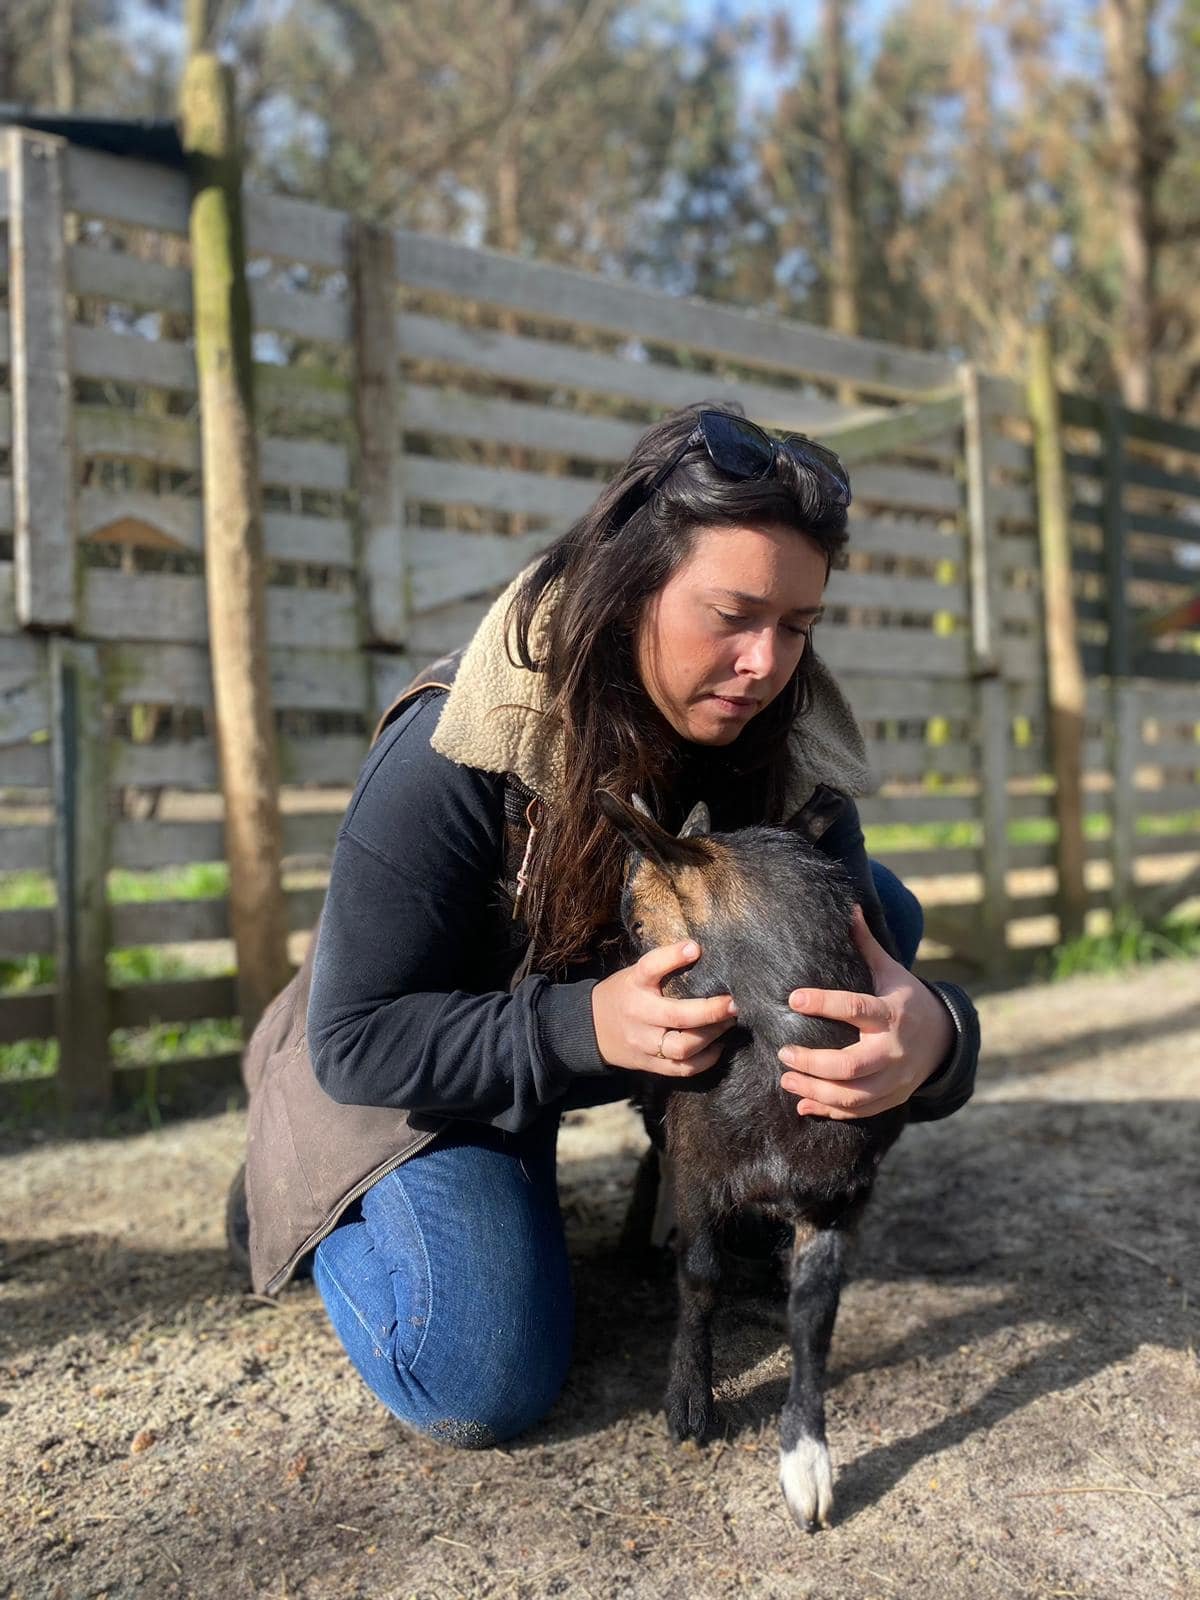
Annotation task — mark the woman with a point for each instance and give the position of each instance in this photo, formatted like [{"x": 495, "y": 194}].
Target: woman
[{"x": 467, "y": 984}]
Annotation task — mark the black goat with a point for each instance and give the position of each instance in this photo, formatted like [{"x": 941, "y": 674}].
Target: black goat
[{"x": 770, "y": 914}]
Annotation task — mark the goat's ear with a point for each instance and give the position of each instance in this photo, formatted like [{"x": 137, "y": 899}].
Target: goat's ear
[
  {"x": 822, "y": 808},
  {"x": 640, "y": 831},
  {"x": 698, "y": 821}
]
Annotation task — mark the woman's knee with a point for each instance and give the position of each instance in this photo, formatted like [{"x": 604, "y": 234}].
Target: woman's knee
[{"x": 451, "y": 1291}]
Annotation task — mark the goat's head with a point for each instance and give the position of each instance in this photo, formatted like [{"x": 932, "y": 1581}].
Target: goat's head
[{"x": 736, "y": 894}]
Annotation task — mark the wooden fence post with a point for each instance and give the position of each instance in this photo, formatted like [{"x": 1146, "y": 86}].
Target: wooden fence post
[
  {"x": 233, "y": 537},
  {"x": 78, "y": 754},
  {"x": 1064, "y": 671},
  {"x": 382, "y": 556},
  {"x": 1124, "y": 723},
  {"x": 44, "y": 550},
  {"x": 987, "y": 670}
]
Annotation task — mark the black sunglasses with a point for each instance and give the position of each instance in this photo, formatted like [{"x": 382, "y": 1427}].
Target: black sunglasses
[{"x": 742, "y": 450}]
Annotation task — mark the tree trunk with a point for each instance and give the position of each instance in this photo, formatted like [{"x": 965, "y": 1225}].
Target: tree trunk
[
  {"x": 839, "y": 174},
  {"x": 233, "y": 538},
  {"x": 1137, "y": 161},
  {"x": 62, "y": 55}
]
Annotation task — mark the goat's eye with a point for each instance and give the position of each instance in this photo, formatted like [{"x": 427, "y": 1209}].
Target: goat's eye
[{"x": 637, "y": 929}]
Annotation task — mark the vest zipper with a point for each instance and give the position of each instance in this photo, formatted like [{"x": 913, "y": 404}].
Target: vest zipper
[{"x": 360, "y": 1188}]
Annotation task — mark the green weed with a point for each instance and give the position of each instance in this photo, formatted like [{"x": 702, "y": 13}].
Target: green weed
[{"x": 1129, "y": 942}]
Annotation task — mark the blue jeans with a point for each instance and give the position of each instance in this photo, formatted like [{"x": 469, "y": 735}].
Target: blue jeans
[{"x": 448, "y": 1282}]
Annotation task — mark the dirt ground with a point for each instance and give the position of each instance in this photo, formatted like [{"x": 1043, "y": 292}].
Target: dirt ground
[{"x": 1014, "y": 1392}]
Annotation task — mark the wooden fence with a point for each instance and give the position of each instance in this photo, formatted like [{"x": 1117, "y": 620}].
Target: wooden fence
[{"x": 517, "y": 386}]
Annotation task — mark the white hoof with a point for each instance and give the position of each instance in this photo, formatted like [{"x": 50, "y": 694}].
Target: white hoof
[{"x": 806, "y": 1478}]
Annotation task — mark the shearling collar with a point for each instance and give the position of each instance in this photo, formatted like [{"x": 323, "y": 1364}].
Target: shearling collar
[{"x": 493, "y": 720}]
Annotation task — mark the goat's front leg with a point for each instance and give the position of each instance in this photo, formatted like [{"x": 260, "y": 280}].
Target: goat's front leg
[
  {"x": 689, "y": 1403},
  {"x": 805, "y": 1475}
]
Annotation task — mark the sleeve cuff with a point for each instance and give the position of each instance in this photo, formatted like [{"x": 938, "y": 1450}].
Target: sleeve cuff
[
  {"x": 953, "y": 1083},
  {"x": 568, "y": 1032}
]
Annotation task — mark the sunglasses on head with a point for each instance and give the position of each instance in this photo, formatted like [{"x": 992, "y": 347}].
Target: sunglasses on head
[{"x": 742, "y": 450}]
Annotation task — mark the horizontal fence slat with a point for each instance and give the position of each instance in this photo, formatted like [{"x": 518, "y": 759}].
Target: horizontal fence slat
[
  {"x": 192, "y": 763},
  {"x": 304, "y": 680},
  {"x": 552, "y": 364},
  {"x": 447, "y": 567},
  {"x": 25, "y": 766},
  {"x": 143, "y": 845},
  {"x": 905, "y": 536},
  {"x": 26, "y": 1016},
  {"x": 893, "y": 592},
  {"x": 176, "y": 1000},
  {"x": 456, "y": 415},
  {"x": 880, "y": 698},
  {"x": 26, "y": 932},
  {"x": 166, "y": 607},
  {"x": 544, "y": 290},
  {"x": 539, "y": 494},
  {"x": 907, "y": 487},
  {"x": 26, "y": 849},
  {"x": 159, "y": 922}
]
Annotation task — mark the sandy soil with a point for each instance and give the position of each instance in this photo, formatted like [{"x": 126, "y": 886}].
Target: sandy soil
[{"x": 1014, "y": 1392}]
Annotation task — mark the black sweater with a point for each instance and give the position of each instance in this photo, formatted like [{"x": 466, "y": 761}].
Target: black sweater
[{"x": 410, "y": 1004}]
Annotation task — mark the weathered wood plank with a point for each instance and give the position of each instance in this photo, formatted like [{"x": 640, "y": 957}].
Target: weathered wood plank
[
  {"x": 443, "y": 266},
  {"x": 28, "y": 932},
  {"x": 906, "y": 536},
  {"x": 81, "y": 837},
  {"x": 106, "y": 356},
  {"x": 25, "y": 766},
  {"x": 192, "y": 764},
  {"x": 554, "y": 365},
  {"x": 907, "y": 488},
  {"x": 26, "y": 848},
  {"x": 886, "y": 810},
  {"x": 297, "y": 230},
  {"x": 879, "y": 698},
  {"x": 168, "y": 608},
  {"x": 448, "y": 567},
  {"x": 159, "y": 922},
  {"x": 179, "y": 1000},
  {"x": 123, "y": 190},
  {"x": 178, "y": 674},
  {"x": 27, "y": 1016},
  {"x": 572, "y": 433},
  {"x": 42, "y": 445},
  {"x": 381, "y": 530},
  {"x": 891, "y": 592},
  {"x": 140, "y": 517},
  {"x": 142, "y": 845},
  {"x": 24, "y": 689}
]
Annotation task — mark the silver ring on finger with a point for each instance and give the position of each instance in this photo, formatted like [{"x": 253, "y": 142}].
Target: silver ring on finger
[{"x": 659, "y": 1052}]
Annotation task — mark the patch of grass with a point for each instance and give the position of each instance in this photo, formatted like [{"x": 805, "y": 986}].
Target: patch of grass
[
  {"x": 200, "y": 880},
  {"x": 25, "y": 891},
  {"x": 175, "y": 1041},
  {"x": 1129, "y": 942}
]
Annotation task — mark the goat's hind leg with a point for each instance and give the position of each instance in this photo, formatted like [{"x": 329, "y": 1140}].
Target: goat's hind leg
[
  {"x": 689, "y": 1402},
  {"x": 805, "y": 1475}
]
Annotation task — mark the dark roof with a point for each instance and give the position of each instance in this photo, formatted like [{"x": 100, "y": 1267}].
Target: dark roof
[{"x": 150, "y": 139}]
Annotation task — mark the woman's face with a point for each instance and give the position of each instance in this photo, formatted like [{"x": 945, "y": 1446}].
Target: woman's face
[{"x": 723, "y": 635}]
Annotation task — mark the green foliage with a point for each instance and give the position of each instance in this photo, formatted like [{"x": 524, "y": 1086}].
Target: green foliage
[{"x": 1128, "y": 942}]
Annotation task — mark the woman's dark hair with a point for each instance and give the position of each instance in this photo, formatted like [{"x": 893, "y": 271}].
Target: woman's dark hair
[{"x": 603, "y": 572}]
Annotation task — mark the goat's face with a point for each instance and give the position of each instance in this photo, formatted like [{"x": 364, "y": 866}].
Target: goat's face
[{"x": 732, "y": 893}]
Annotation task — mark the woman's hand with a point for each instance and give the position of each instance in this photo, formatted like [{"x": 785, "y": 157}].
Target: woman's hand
[
  {"x": 643, "y": 1030},
  {"x": 905, "y": 1033}
]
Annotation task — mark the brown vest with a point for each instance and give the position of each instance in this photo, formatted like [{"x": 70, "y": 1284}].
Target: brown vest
[{"x": 307, "y": 1157}]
